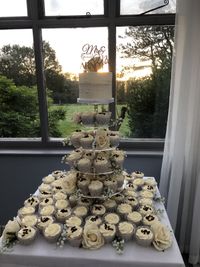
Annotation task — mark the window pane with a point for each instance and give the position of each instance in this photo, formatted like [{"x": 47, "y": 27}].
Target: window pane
[
  {"x": 13, "y": 8},
  {"x": 75, "y": 7},
  {"x": 63, "y": 49},
  {"x": 128, "y": 7},
  {"x": 19, "y": 116},
  {"x": 144, "y": 56}
]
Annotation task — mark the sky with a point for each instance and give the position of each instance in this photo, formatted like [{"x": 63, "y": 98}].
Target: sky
[{"x": 68, "y": 43}]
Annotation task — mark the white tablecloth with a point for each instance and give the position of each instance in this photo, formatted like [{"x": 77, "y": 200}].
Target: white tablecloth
[{"x": 42, "y": 254}]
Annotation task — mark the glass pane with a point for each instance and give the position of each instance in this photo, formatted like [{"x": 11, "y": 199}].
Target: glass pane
[
  {"x": 19, "y": 116},
  {"x": 13, "y": 8},
  {"x": 144, "y": 56},
  {"x": 75, "y": 7},
  {"x": 65, "y": 50},
  {"x": 128, "y": 7}
]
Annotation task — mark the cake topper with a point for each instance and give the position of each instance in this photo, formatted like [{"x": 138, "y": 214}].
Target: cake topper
[{"x": 93, "y": 57}]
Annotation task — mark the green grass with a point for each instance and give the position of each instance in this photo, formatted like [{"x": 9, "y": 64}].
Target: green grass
[{"x": 67, "y": 126}]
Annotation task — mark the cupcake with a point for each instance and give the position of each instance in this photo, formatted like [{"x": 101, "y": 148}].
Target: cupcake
[
  {"x": 73, "y": 221},
  {"x": 119, "y": 198},
  {"x": 61, "y": 204},
  {"x": 101, "y": 165},
  {"x": 95, "y": 188},
  {"x": 126, "y": 230},
  {"x": 46, "y": 201},
  {"x": 52, "y": 232},
  {"x": 110, "y": 184},
  {"x": 57, "y": 174},
  {"x": 87, "y": 118},
  {"x": 44, "y": 187},
  {"x": 48, "y": 179},
  {"x": 26, "y": 210},
  {"x": 63, "y": 214},
  {"x": 89, "y": 155},
  {"x": 139, "y": 183},
  {"x": 138, "y": 174},
  {"x": 98, "y": 209},
  {"x": 110, "y": 205},
  {"x": 80, "y": 211},
  {"x": 32, "y": 201},
  {"x": 146, "y": 201},
  {"x": 74, "y": 235},
  {"x": 130, "y": 193},
  {"x": 94, "y": 219},
  {"x": 45, "y": 194},
  {"x": 131, "y": 186},
  {"x": 108, "y": 231},
  {"x": 146, "y": 194},
  {"x": 118, "y": 158},
  {"x": 103, "y": 118},
  {"x": 84, "y": 165},
  {"x": 149, "y": 188},
  {"x": 83, "y": 184},
  {"x": 76, "y": 137},
  {"x": 84, "y": 202},
  {"x": 150, "y": 219},
  {"x": 87, "y": 141},
  {"x": 146, "y": 209},
  {"x": 47, "y": 210},
  {"x": 123, "y": 209},
  {"x": 26, "y": 235},
  {"x": 114, "y": 139},
  {"x": 59, "y": 195},
  {"x": 44, "y": 221},
  {"x": 111, "y": 218},
  {"x": 73, "y": 200},
  {"x": 120, "y": 179},
  {"x": 150, "y": 181},
  {"x": 74, "y": 157},
  {"x": 102, "y": 140},
  {"x": 134, "y": 217},
  {"x": 144, "y": 236},
  {"x": 132, "y": 201},
  {"x": 29, "y": 220}
]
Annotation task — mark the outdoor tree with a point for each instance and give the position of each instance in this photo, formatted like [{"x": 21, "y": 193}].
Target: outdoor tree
[{"x": 153, "y": 44}]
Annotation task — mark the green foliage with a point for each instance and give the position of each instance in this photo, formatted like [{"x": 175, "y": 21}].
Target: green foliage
[{"x": 19, "y": 115}]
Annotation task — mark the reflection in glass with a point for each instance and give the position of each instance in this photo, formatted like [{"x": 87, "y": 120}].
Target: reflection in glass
[
  {"x": 128, "y": 7},
  {"x": 19, "y": 116},
  {"x": 144, "y": 56},
  {"x": 13, "y": 8},
  {"x": 66, "y": 48},
  {"x": 75, "y": 7}
]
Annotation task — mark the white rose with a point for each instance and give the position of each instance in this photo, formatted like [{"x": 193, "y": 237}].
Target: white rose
[
  {"x": 92, "y": 238},
  {"x": 11, "y": 228},
  {"x": 69, "y": 183},
  {"x": 162, "y": 236},
  {"x": 102, "y": 140}
]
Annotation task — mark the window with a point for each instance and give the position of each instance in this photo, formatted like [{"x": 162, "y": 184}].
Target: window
[{"x": 47, "y": 38}]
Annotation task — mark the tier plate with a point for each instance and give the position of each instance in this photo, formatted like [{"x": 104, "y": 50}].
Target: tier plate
[{"x": 95, "y": 101}]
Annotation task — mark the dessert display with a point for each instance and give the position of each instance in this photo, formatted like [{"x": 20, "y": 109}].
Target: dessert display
[{"x": 96, "y": 201}]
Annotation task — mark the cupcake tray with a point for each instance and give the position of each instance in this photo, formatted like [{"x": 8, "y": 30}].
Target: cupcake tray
[{"x": 94, "y": 173}]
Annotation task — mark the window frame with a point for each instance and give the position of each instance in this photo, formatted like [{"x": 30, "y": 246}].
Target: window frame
[{"x": 111, "y": 19}]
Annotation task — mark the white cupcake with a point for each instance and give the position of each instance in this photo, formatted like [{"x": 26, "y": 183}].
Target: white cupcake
[
  {"x": 101, "y": 165},
  {"x": 48, "y": 179},
  {"x": 134, "y": 217},
  {"x": 29, "y": 220},
  {"x": 132, "y": 201},
  {"x": 47, "y": 210},
  {"x": 87, "y": 141},
  {"x": 57, "y": 174},
  {"x": 118, "y": 158},
  {"x": 26, "y": 210},
  {"x": 74, "y": 235},
  {"x": 84, "y": 202},
  {"x": 110, "y": 184},
  {"x": 44, "y": 187},
  {"x": 138, "y": 174},
  {"x": 146, "y": 194},
  {"x": 72, "y": 158},
  {"x": 63, "y": 214},
  {"x": 46, "y": 201},
  {"x": 103, "y": 118},
  {"x": 120, "y": 179},
  {"x": 114, "y": 139},
  {"x": 126, "y": 230},
  {"x": 150, "y": 181},
  {"x": 94, "y": 219},
  {"x": 119, "y": 198},
  {"x": 88, "y": 118},
  {"x": 149, "y": 188},
  {"x": 146, "y": 201},
  {"x": 83, "y": 184},
  {"x": 124, "y": 209},
  {"x": 26, "y": 235},
  {"x": 130, "y": 193},
  {"x": 108, "y": 231},
  {"x": 131, "y": 186},
  {"x": 84, "y": 165},
  {"x": 73, "y": 220},
  {"x": 150, "y": 219},
  {"x": 110, "y": 205},
  {"x": 59, "y": 195},
  {"x": 52, "y": 232},
  {"x": 76, "y": 137},
  {"x": 61, "y": 204},
  {"x": 146, "y": 209},
  {"x": 139, "y": 182},
  {"x": 144, "y": 236},
  {"x": 44, "y": 221},
  {"x": 73, "y": 200},
  {"x": 98, "y": 209},
  {"x": 112, "y": 218},
  {"x": 32, "y": 201},
  {"x": 80, "y": 211},
  {"x": 95, "y": 188}
]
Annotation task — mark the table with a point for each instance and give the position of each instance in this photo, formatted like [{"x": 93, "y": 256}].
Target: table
[{"x": 42, "y": 254}]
